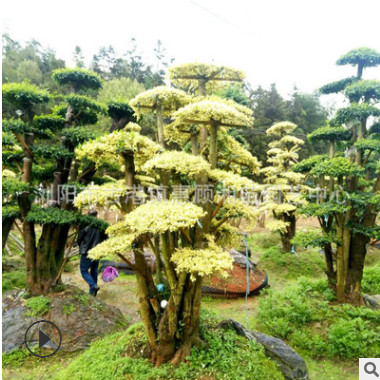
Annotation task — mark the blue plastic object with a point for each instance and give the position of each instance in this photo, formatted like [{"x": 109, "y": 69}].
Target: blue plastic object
[
  {"x": 245, "y": 241},
  {"x": 160, "y": 287}
]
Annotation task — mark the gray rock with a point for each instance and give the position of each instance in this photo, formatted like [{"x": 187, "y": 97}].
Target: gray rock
[
  {"x": 80, "y": 318},
  {"x": 290, "y": 363},
  {"x": 372, "y": 301},
  {"x": 124, "y": 267},
  {"x": 240, "y": 259}
]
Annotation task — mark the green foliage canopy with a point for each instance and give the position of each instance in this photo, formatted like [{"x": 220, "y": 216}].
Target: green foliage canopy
[
  {"x": 365, "y": 90},
  {"x": 337, "y": 86},
  {"x": 363, "y": 56},
  {"x": 330, "y": 134},
  {"x": 79, "y": 79},
  {"x": 24, "y": 95}
]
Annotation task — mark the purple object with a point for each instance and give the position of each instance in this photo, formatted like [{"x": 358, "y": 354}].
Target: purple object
[{"x": 109, "y": 274}]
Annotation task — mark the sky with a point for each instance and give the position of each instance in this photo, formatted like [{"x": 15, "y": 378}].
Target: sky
[{"x": 287, "y": 42}]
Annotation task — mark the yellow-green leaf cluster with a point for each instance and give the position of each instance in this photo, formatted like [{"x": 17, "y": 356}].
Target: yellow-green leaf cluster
[
  {"x": 281, "y": 128},
  {"x": 236, "y": 208},
  {"x": 111, "y": 247},
  {"x": 188, "y": 75},
  {"x": 108, "y": 148},
  {"x": 6, "y": 173},
  {"x": 227, "y": 236},
  {"x": 103, "y": 195},
  {"x": 276, "y": 225},
  {"x": 229, "y": 102},
  {"x": 207, "y": 110},
  {"x": 202, "y": 262},
  {"x": 234, "y": 152},
  {"x": 231, "y": 180},
  {"x": 132, "y": 127},
  {"x": 177, "y": 162},
  {"x": 157, "y": 217},
  {"x": 170, "y": 100}
]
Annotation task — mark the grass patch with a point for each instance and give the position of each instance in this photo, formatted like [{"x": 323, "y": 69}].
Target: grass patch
[
  {"x": 303, "y": 315},
  {"x": 228, "y": 356},
  {"x": 38, "y": 306},
  {"x": 284, "y": 265},
  {"x": 15, "y": 358},
  {"x": 308, "y": 263},
  {"x": 69, "y": 309},
  {"x": 14, "y": 280},
  {"x": 84, "y": 299},
  {"x": 371, "y": 280},
  {"x": 21, "y": 364}
]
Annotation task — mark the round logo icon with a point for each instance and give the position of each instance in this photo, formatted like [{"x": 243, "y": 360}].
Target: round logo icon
[{"x": 44, "y": 333}]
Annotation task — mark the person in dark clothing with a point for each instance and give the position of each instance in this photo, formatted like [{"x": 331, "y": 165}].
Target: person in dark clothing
[{"x": 88, "y": 238}]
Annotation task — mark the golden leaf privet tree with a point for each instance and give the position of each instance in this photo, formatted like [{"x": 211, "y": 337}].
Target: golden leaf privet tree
[
  {"x": 284, "y": 189},
  {"x": 185, "y": 224},
  {"x": 350, "y": 178}
]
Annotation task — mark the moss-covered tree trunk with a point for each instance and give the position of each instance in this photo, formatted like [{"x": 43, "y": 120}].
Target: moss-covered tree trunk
[
  {"x": 6, "y": 226},
  {"x": 47, "y": 259},
  {"x": 171, "y": 330},
  {"x": 118, "y": 124},
  {"x": 290, "y": 232}
]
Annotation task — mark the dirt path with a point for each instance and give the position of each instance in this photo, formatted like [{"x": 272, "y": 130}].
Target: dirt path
[{"x": 121, "y": 293}]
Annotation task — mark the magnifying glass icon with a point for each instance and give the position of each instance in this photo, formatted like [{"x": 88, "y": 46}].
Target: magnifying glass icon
[{"x": 370, "y": 368}]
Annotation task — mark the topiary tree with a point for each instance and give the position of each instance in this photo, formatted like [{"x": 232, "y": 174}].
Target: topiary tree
[
  {"x": 10, "y": 210},
  {"x": 184, "y": 223},
  {"x": 162, "y": 101},
  {"x": 121, "y": 114},
  {"x": 349, "y": 182},
  {"x": 203, "y": 79},
  {"x": 46, "y": 163},
  {"x": 361, "y": 58},
  {"x": 80, "y": 110},
  {"x": 284, "y": 189}
]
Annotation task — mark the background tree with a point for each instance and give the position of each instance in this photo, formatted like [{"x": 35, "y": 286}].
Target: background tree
[
  {"x": 29, "y": 62},
  {"x": 348, "y": 214},
  {"x": 78, "y": 57}
]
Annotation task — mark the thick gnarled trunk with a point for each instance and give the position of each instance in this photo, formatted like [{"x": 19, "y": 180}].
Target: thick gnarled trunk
[
  {"x": 290, "y": 232},
  {"x": 44, "y": 262},
  {"x": 7, "y": 226},
  {"x": 174, "y": 329}
]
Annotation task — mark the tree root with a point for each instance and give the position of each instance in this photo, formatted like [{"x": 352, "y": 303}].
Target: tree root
[{"x": 182, "y": 353}]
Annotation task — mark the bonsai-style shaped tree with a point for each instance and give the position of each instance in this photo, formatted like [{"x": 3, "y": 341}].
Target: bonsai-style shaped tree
[
  {"x": 80, "y": 110},
  {"x": 121, "y": 113},
  {"x": 284, "y": 189},
  {"x": 185, "y": 225},
  {"x": 45, "y": 162},
  {"x": 347, "y": 214},
  {"x": 203, "y": 79},
  {"x": 162, "y": 101}
]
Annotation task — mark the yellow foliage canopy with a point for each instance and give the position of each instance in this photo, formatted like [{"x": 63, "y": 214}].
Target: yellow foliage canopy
[
  {"x": 281, "y": 128},
  {"x": 103, "y": 195},
  {"x": 231, "y": 180},
  {"x": 189, "y": 74},
  {"x": 157, "y": 217},
  {"x": 202, "y": 262},
  {"x": 170, "y": 100},
  {"x": 108, "y": 148},
  {"x": 117, "y": 244},
  {"x": 207, "y": 110},
  {"x": 178, "y": 162},
  {"x": 234, "y": 152}
]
